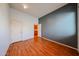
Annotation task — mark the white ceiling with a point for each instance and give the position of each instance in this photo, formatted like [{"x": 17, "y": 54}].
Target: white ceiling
[{"x": 37, "y": 9}]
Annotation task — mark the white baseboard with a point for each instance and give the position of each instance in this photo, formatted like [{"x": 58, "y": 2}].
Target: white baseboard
[{"x": 60, "y": 43}]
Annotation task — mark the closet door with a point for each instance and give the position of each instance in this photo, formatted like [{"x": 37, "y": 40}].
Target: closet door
[{"x": 16, "y": 30}]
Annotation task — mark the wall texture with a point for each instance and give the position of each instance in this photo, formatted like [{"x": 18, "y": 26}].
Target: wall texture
[
  {"x": 4, "y": 28},
  {"x": 60, "y": 25},
  {"x": 22, "y": 25}
]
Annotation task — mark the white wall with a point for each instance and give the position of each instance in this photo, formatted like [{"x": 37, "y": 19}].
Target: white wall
[
  {"x": 4, "y": 28},
  {"x": 22, "y": 25},
  {"x": 39, "y": 30}
]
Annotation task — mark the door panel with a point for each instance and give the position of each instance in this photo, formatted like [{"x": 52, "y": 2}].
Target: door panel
[{"x": 16, "y": 30}]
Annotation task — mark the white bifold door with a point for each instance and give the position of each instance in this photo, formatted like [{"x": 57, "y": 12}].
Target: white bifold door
[
  {"x": 22, "y": 30},
  {"x": 16, "y": 31}
]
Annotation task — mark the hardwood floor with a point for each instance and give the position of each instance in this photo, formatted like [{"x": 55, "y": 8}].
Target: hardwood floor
[{"x": 41, "y": 47}]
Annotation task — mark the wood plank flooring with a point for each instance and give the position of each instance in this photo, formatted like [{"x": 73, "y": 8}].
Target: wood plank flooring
[{"x": 41, "y": 47}]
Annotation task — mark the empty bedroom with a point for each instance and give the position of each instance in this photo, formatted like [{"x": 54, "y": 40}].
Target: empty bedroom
[{"x": 39, "y": 29}]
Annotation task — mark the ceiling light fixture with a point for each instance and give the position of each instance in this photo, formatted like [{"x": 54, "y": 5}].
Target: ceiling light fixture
[{"x": 25, "y": 6}]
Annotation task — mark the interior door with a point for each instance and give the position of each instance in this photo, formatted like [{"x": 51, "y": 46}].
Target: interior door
[{"x": 16, "y": 30}]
